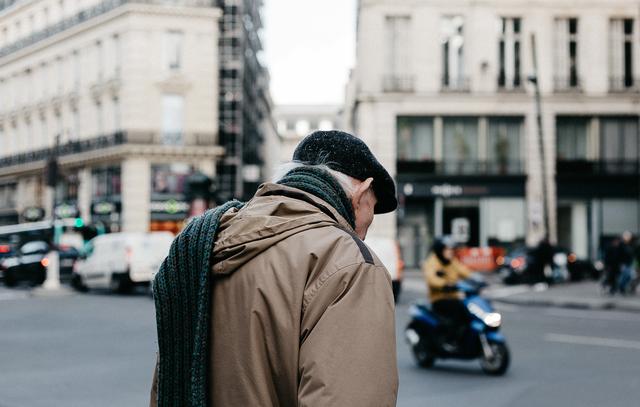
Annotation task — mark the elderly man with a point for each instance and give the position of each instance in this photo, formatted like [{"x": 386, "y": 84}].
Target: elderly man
[{"x": 278, "y": 302}]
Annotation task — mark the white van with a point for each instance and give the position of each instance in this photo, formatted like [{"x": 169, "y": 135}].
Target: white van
[
  {"x": 388, "y": 251},
  {"x": 121, "y": 260}
]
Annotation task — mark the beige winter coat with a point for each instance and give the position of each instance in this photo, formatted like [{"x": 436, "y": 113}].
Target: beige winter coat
[{"x": 302, "y": 310}]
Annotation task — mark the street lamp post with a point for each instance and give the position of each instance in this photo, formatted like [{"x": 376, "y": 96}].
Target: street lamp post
[
  {"x": 543, "y": 162},
  {"x": 52, "y": 281}
]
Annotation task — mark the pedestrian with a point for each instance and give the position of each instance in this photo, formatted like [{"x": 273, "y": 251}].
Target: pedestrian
[
  {"x": 278, "y": 301},
  {"x": 625, "y": 256},
  {"x": 612, "y": 266},
  {"x": 542, "y": 268}
]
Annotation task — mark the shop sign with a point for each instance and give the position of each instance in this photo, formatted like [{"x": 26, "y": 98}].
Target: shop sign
[
  {"x": 170, "y": 206},
  {"x": 65, "y": 211},
  {"x": 103, "y": 208},
  {"x": 447, "y": 190},
  {"x": 33, "y": 214},
  {"x": 460, "y": 230}
]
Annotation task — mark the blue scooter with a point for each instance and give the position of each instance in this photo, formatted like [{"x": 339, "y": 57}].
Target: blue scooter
[{"x": 429, "y": 339}]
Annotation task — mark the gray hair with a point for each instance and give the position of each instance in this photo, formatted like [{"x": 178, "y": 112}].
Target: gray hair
[{"x": 346, "y": 182}]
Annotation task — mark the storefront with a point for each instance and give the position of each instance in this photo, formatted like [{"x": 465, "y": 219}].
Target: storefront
[
  {"x": 169, "y": 207},
  {"x": 476, "y": 213},
  {"x": 106, "y": 198}
]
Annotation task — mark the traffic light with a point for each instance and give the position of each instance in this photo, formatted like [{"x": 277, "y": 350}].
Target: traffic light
[{"x": 78, "y": 223}]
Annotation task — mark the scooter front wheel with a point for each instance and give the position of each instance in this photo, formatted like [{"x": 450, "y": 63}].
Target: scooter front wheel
[
  {"x": 498, "y": 363},
  {"x": 419, "y": 347}
]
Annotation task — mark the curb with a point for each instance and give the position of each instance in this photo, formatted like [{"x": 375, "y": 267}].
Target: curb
[
  {"x": 57, "y": 293},
  {"x": 570, "y": 303}
]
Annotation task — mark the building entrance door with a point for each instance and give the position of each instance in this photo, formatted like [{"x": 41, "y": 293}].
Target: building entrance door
[{"x": 462, "y": 222}]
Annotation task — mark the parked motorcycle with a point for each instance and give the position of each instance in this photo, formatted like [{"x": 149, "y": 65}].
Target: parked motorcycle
[{"x": 429, "y": 339}]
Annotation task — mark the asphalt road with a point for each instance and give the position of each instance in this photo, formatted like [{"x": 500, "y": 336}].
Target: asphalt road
[{"x": 99, "y": 349}]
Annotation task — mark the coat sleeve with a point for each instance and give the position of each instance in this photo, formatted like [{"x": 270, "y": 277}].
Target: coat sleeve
[
  {"x": 434, "y": 273},
  {"x": 463, "y": 271},
  {"x": 347, "y": 351}
]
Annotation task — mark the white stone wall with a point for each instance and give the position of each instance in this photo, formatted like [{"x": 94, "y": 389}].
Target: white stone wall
[
  {"x": 375, "y": 111},
  {"x": 66, "y": 85},
  {"x": 106, "y": 74}
]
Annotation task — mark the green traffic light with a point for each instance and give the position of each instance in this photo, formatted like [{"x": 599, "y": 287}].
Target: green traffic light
[{"x": 79, "y": 223}]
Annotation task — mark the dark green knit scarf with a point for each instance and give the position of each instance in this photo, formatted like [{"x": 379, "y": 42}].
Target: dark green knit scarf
[
  {"x": 182, "y": 292},
  {"x": 322, "y": 184}
]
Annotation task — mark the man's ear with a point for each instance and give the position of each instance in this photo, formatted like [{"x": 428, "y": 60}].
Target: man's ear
[{"x": 360, "y": 191}]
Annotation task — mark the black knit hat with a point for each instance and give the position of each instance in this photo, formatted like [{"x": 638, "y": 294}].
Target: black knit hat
[{"x": 349, "y": 155}]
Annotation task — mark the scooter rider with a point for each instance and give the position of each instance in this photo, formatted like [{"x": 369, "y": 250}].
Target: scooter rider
[{"x": 442, "y": 271}]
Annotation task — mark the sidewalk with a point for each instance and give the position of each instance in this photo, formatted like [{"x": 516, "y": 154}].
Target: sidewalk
[{"x": 583, "y": 295}]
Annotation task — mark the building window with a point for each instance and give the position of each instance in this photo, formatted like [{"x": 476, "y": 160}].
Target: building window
[
  {"x": 169, "y": 178},
  {"x": 76, "y": 70},
  {"x": 302, "y": 127},
  {"x": 99, "y": 60},
  {"x": 509, "y": 48},
  {"x": 460, "y": 145},
  {"x": 566, "y": 54},
  {"x": 282, "y": 126},
  {"x": 326, "y": 125},
  {"x": 172, "y": 119},
  {"x": 504, "y": 146},
  {"x": 415, "y": 139},
  {"x": 173, "y": 50},
  {"x": 452, "y": 37},
  {"x": 571, "y": 138},
  {"x": 117, "y": 56},
  {"x": 619, "y": 143},
  {"x": 398, "y": 50},
  {"x": 116, "y": 114},
  {"x": 621, "y": 54},
  {"x": 105, "y": 182}
]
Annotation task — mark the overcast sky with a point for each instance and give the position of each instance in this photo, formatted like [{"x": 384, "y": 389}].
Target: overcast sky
[{"x": 309, "y": 49}]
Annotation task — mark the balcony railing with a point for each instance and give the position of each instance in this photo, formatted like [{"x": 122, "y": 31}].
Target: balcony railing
[
  {"x": 89, "y": 13},
  {"x": 567, "y": 84},
  {"x": 597, "y": 167},
  {"x": 462, "y": 167},
  {"x": 398, "y": 83},
  {"x": 72, "y": 147},
  {"x": 622, "y": 84},
  {"x": 457, "y": 84}
]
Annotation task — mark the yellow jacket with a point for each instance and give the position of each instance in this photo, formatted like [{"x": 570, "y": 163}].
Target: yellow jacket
[{"x": 438, "y": 276}]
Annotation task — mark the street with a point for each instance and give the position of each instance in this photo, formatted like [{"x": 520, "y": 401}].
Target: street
[{"x": 98, "y": 350}]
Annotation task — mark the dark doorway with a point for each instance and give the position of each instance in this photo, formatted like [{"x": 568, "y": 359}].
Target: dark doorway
[{"x": 472, "y": 216}]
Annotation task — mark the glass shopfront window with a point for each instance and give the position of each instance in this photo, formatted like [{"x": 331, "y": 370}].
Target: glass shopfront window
[
  {"x": 460, "y": 144},
  {"x": 415, "y": 139},
  {"x": 504, "y": 144},
  {"x": 571, "y": 138},
  {"x": 106, "y": 182},
  {"x": 169, "y": 178}
]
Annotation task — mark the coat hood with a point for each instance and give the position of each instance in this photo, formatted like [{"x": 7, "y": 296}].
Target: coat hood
[{"x": 275, "y": 213}]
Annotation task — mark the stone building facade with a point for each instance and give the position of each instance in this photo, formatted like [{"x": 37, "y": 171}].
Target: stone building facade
[
  {"x": 441, "y": 91},
  {"x": 125, "y": 93}
]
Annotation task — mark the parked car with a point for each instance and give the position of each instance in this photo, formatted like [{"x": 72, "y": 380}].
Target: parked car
[
  {"x": 120, "y": 261},
  {"x": 388, "y": 251},
  {"x": 6, "y": 251},
  {"x": 519, "y": 266},
  {"x": 31, "y": 261}
]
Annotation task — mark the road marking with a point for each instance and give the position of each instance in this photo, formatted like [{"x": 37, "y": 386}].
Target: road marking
[
  {"x": 501, "y": 292},
  {"x": 605, "y": 315},
  {"x": 500, "y": 306},
  {"x": 593, "y": 341}
]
